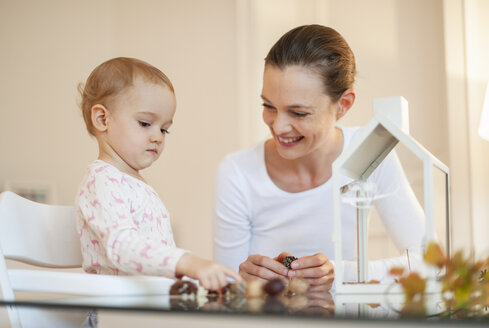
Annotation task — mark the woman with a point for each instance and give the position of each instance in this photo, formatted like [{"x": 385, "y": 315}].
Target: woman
[{"x": 275, "y": 199}]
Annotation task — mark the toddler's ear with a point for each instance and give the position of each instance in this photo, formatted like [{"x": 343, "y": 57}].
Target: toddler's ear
[{"x": 99, "y": 117}]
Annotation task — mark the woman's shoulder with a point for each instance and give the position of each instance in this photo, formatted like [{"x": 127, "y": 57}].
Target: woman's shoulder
[
  {"x": 349, "y": 132},
  {"x": 247, "y": 156},
  {"x": 246, "y": 163}
]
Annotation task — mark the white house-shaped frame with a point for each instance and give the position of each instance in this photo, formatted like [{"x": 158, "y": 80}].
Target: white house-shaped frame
[{"x": 367, "y": 150}]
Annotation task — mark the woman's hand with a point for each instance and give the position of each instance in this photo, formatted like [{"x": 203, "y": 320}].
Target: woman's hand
[
  {"x": 264, "y": 268},
  {"x": 316, "y": 269},
  {"x": 211, "y": 275}
]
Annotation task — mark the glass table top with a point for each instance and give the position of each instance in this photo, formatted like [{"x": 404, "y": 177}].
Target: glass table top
[{"x": 311, "y": 305}]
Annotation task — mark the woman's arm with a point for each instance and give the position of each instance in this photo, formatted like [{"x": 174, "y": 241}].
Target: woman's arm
[
  {"x": 399, "y": 210},
  {"x": 402, "y": 217},
  {"x": 232, "y": 227}
]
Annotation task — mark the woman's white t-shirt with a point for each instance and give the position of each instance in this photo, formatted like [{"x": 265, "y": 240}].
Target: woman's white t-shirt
[{"x": 254, "y": 216}]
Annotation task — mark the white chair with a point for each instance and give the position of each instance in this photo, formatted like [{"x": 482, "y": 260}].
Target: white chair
[{"x": 45, "y": 236}]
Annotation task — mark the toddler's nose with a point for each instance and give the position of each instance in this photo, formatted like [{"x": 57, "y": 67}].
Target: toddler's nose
[{"x": 157, "y": 137}]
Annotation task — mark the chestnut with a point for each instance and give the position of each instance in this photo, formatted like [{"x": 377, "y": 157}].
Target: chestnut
[{"x": 274, "y": 287}]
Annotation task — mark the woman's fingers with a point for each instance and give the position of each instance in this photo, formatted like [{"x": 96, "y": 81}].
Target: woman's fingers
[
  {"x": 314, "y": 266},
  {"x": 316, "y": 269},
  {"x": 315, "y": 260},
  {"x": 321, "y": 280},
  {"x": 248, "y": 277},
  {"x": 281, "y": 256},
  {"x": 316, "y": 272},
  {"x": 263, "y": 267}
]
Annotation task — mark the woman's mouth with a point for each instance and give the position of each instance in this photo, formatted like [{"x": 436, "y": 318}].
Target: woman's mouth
[{"x": 289, "y": 141}]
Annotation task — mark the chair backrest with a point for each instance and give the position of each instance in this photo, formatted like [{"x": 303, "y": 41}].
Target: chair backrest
[{"x": 39, "y": 234}]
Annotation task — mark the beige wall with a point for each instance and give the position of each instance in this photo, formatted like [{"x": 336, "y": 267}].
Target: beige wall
[
  {"x": 213, "y": 51},
  {"x": 467, "y": 74},
  {"x": 48, "y": 47},
  {"x": 477, "y": 46}
]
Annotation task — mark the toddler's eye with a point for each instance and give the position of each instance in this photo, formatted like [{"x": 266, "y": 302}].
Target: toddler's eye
[
  {"x": 165, "y": 131},
  {"x": 143, "y": 124}
]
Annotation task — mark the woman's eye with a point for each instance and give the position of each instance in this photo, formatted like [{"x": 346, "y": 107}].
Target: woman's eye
[
  {"x": 143, "y": 124},
  {"x": 299, "y": 114},
  {"x": 267, "y": 106},
  {"x": 165, "y": 131}
]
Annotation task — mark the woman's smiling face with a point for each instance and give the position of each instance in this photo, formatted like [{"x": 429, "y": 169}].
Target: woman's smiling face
[{"x": 300, "y": 115}]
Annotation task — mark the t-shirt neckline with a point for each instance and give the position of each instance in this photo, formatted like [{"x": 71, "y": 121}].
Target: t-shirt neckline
[{"x": 269, "y": 180}]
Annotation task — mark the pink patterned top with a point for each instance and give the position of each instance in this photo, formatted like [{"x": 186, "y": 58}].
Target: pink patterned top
[{"x": 124, "y": 227}]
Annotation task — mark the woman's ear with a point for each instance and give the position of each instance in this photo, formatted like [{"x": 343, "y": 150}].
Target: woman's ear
[
  {"x": 99, "y": 117},
  {"x": 346, "y": 101}
]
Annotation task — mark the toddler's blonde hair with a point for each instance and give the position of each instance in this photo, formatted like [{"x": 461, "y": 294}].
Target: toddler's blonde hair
[{"x": 110, "y": 78}]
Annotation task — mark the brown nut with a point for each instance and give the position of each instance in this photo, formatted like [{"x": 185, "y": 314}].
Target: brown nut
[
  {"x": 238, "y": 288},
  {"x": 254, "y": 288},
  {"x": 182, "y": 287},
  {"x": 274, "y": 287}
]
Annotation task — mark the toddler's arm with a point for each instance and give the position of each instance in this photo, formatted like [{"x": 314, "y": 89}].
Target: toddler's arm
[
  {"x": 111, "y": 240},
  {"x": 211, "y": 275}
]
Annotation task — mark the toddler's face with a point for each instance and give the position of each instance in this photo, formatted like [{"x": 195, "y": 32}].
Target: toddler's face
[{"x": 137, "y": 124}]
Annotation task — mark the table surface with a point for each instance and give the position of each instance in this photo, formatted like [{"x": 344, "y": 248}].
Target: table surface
[{"x": 341, "y": 310}]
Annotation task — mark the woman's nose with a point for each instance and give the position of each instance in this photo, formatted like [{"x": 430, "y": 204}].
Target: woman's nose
[{"x": 281, "y": 124}]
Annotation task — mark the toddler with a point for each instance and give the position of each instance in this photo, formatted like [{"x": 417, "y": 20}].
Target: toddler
[{"x": 128, "y": 106}]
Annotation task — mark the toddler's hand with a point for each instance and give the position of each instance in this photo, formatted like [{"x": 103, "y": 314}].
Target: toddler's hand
[{"x": 211, "y": 275}]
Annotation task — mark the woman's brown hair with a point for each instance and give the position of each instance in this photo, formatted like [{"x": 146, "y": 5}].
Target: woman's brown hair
[{"x": 321, "y": 49}]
